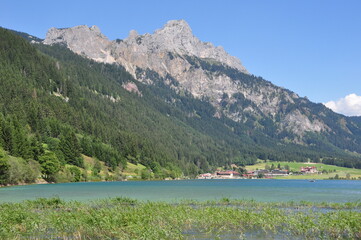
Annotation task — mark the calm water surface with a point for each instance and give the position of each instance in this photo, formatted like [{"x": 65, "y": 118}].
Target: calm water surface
[{"x": 260, "y": 190}]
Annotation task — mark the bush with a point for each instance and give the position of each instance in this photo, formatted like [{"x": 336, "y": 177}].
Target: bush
[
  {"x": 4, "y": 171},
  {"x": 21, "y": 171},
  {"x": 50, "y": 166},
  {"x": 75, "y": 173}
]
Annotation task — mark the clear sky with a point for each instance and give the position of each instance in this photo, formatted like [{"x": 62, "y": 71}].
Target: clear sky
[{"x": 312, "y": 47}]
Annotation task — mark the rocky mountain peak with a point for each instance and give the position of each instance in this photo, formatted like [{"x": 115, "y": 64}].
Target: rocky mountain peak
[
  {"x": 59, "y": 35},
  {"x": 95, "y": 29},
  {"x": 175, "y": 28},
  {"x": 133, "y": 34},
  {"x": 175, "y": 37},
  {"x": 172, "y": 54},
  {"x": 83, "y": 40}
]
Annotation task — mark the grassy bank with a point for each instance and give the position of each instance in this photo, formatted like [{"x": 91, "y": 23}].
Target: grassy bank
[
  {"x": 329, "y": 171},
  {"x": 122, "y": 218}
]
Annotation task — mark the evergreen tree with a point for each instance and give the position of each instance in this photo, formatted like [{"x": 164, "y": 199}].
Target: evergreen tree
[
  {"x": 7, "y": 134},
  {"x": 36, "y": 148},
  {"x": 1, "y": 126},
  {"x": 20, "y": 142},
  {"x": 70, "y": 147},
  {"x": 87, "y": 146}
]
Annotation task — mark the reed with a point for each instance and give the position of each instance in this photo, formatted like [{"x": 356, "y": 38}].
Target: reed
[{"x": 124, "y": 218}]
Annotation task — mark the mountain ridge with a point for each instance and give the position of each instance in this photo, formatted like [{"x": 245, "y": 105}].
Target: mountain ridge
[{"x": 187, "y": 64}]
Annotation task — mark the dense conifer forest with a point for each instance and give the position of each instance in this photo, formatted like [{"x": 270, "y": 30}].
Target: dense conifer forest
[{"x": 56, "y": 107}]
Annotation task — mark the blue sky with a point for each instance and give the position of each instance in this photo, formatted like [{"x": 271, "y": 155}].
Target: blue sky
[{"x": 311, "y": 47}]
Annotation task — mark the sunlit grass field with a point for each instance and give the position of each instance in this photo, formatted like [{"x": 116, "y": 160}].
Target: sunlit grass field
[{"x": 296, "y": 166}]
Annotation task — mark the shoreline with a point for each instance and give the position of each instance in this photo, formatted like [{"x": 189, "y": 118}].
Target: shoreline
[{"x": 151, "y": 180}]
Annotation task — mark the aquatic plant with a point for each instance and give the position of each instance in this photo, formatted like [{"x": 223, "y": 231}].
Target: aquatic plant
[{"x": 124, "y": 218}]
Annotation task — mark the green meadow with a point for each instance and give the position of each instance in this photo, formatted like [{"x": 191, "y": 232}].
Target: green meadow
[{"x": 329, "y": 171}]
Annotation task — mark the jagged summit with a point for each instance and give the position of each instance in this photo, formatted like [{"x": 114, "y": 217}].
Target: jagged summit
[
  {"x": 133, "y": 34},
  {"x": 77, "y": 31},
  {"x": 172, "y": 28},
  {"x": 185, "y": 63},
  {"x": 175, "y": 36},
  {"x": 175, "y": 27},
  {"x": 83, "y": 40}
]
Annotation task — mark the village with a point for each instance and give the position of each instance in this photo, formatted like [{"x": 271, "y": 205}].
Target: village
[{"x": 261, "y": 173}]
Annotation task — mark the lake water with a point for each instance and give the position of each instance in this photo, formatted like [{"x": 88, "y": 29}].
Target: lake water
[{"x": 260, "y": 190}]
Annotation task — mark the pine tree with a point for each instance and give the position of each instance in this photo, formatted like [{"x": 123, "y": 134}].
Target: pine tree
[
  {"x": 70, "y": 147},
  {"x": 7, "y": 134},
  {"x": 36, "y": 148},
  {"x": 1, "y": 127},
  {"x": 34, "y": 117},
  {"x": 20, "y": 142},
  {"x": 86, "y": 145}
]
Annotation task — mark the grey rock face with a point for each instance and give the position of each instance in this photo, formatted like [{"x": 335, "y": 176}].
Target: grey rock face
[
  {"x": 168, "y": 52},
  {"x": 89, "y": 42},
  {"x": 300, "y": 123}
]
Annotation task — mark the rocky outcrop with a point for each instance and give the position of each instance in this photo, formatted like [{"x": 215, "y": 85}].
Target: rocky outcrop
[
  {"x": 175, "y": 37},
  {"x": 132, "y": 87},
  {"x": 83, "y": 40},
  {"x": 299, "y": 123}
]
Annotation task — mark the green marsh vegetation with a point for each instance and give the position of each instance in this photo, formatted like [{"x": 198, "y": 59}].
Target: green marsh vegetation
[{"x": 123, "y": 218}]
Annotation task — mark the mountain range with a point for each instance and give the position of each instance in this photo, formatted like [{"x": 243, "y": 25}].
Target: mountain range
[
  {"x": 176, "y": 57},
  {"x": 167, "y": 100}
]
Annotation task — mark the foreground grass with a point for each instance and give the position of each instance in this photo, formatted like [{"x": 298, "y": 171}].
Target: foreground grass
[{"x": 122, "y": 218}]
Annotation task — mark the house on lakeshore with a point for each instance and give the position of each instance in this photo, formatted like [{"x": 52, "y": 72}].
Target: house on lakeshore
[
  {"x": 255, "y": 174},
  {"x": 266, "y": 173},
  {"x": 249, "y": 174},
  {"x": 278, "y": 172},
  {"x": 206, "y": 176},
  {"x": 228, "y": 174},
  {"x": 220, "y": 175},
  {"x": 309, "y": 170}
]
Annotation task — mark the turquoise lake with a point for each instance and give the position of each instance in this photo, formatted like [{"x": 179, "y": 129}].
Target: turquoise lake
[{"x": 260, "y": 190}]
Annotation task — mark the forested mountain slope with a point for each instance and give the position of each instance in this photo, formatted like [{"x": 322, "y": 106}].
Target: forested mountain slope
[
  {"x": 56, "y": 105},
  {"x": 173, "y": 57},
  {"x": 49, "y": 97}
]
